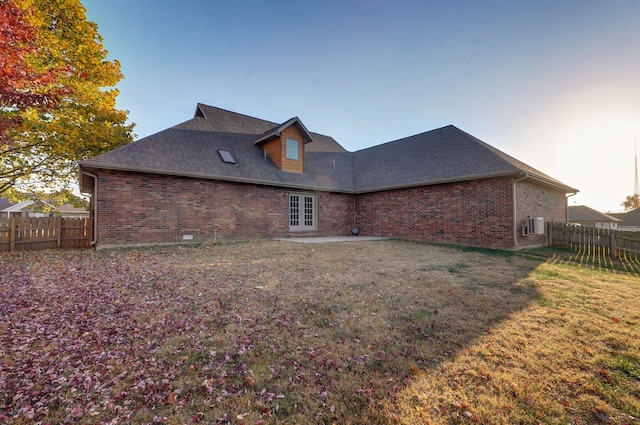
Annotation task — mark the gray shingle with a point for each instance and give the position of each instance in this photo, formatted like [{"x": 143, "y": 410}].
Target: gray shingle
[
  {"x": 4, "y": 203},
  {"x": 584, "y": 214},
  {"x": 630, "y": 218},
  {"x": 443, "y": 155},
  {"x": 190, "y": 149}
]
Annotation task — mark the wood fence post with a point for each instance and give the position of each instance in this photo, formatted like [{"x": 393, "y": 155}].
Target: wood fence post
[
  {"x": 549, "y": 233},
  {"x": 612, "y": 241},
  {"x": 12, "y": 235},
  {"x": 58, "y": 221}
]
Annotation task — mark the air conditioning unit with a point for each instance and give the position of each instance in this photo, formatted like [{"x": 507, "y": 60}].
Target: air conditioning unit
[{"x": 539, "y": 226}]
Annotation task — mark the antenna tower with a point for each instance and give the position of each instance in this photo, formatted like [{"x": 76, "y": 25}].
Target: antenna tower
[{"x": 636, "y": 188}]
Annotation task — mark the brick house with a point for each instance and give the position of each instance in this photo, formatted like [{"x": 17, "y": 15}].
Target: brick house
[{"x": 227, "y": 176}]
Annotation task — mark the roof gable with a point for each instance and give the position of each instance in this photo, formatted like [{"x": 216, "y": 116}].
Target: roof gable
[
  {"x": 277, "y": 131},
  {"x": 27, "y": 203},
  {"x": 191, "y": 149}
]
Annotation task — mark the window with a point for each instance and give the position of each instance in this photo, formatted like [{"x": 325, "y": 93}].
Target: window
[
  {"x": 302, "y": 212},
  {"x": 227, "y": 156},
  {"x": 291, "y": 149}
]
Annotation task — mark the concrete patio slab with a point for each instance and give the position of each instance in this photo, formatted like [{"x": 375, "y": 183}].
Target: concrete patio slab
[{"x": 331, "y": 239}]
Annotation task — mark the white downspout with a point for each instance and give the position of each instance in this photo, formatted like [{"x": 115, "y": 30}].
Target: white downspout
[
  {"x": 515, "y": 209},
  {"x": 94, "y": 195},
  {"x": 567, "y": 215}
]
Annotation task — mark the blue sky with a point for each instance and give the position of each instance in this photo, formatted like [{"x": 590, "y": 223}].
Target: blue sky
[{"x": 554, "y": 83}]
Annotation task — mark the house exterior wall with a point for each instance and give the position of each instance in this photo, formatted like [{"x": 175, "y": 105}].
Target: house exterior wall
[
  {"x": 135, "y": 208},
  {"x": 477, "y": 213},
  {"x": 534, "y": 200}
]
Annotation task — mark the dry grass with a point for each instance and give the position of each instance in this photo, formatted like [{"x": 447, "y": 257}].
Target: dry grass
[{"x": 348, "y": 333}]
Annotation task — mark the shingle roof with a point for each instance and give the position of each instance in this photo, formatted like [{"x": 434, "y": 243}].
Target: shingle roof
[
  {"x": 275, "y": 131},
  {"x": 584, "y": 214},
  {"x": 221, "y": 120},
  {"x": 4, "y": 203},
  {"x": 443, "y": 155},
  {"x": 190, "y": 149},
  {"x": 630, "y": 218},
  {"x": 26, "y": 203}
]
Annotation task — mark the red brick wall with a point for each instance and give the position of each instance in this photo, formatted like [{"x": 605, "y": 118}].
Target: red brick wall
[
  {"x": 134, "y": 208},
  {"x": 538, "y": 201},
  {"x": 467, "y": 213}
]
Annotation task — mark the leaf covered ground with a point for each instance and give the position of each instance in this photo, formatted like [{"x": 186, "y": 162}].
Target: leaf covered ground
[{"x": 274, "y": 332}]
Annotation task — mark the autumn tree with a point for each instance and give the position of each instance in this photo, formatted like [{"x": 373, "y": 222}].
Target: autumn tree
[
  {"x": 632, "y": 202},
  {"x": 57, "y": 95},
  {"x": 21, "y": 84}
]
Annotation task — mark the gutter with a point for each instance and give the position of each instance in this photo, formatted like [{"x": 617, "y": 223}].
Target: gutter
[
  {"x": 94, "y": 195},
  {"x": 515, "y": 210},
  {"x": 569, "y": 196}
]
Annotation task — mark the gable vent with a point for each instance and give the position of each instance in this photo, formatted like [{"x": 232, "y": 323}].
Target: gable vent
[{"x": 227, "y": 157}]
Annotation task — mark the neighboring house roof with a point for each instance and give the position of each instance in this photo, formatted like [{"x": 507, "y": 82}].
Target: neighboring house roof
[
  {"x": 584, "y": 214},
  {"x": 19, "y": 206},
  {"x": 70, "y": 209},
  {"x": 65, "y": 209},
  {"x": 628, "y": 219},
  {"x": 24, "y": 204},
  {"x": 4, "y": 203},
  {"x": 190, "y": 149}
]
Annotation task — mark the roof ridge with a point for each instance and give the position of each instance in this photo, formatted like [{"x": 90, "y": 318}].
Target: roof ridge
[
  {"x": 499, "y": 153},
  {"x": 513, "y": 161},
  {"x": 407, "y": 137},
  {"x": 231, "y": 112},
  {"x": 278, "y": 129}
]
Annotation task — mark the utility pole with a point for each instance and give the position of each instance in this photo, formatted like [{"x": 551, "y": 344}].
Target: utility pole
[{"x": 636, "y": 188}]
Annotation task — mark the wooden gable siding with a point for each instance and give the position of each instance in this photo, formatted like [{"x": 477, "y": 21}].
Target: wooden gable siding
[
  {"x": 291, "y": 165},
  {"x": 276, "y": 150}
]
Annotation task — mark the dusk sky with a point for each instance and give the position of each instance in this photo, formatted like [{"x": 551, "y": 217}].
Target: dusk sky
[{"x": 555, "y": 84}]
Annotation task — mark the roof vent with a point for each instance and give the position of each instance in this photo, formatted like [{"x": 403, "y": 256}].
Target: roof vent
[{"x": 227, "y": 157}]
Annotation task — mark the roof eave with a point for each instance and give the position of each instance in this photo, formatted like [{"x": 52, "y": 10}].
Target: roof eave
[
  {"x": 614, "y": 219},
  {"x": 217, "y": 177},
  {"x": 435, "y": 182},
  {"x": 151, "y": 170},
  {"x": 548, "y": 182}
]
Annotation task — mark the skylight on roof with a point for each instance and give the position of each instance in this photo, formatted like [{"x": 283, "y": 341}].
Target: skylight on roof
[{"x": 227, "y": 156}]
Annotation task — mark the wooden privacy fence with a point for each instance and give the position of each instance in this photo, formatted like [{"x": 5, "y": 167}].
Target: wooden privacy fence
[
  {"x": 28, "y": 233},
  {"x": 601, "y": 242}
]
